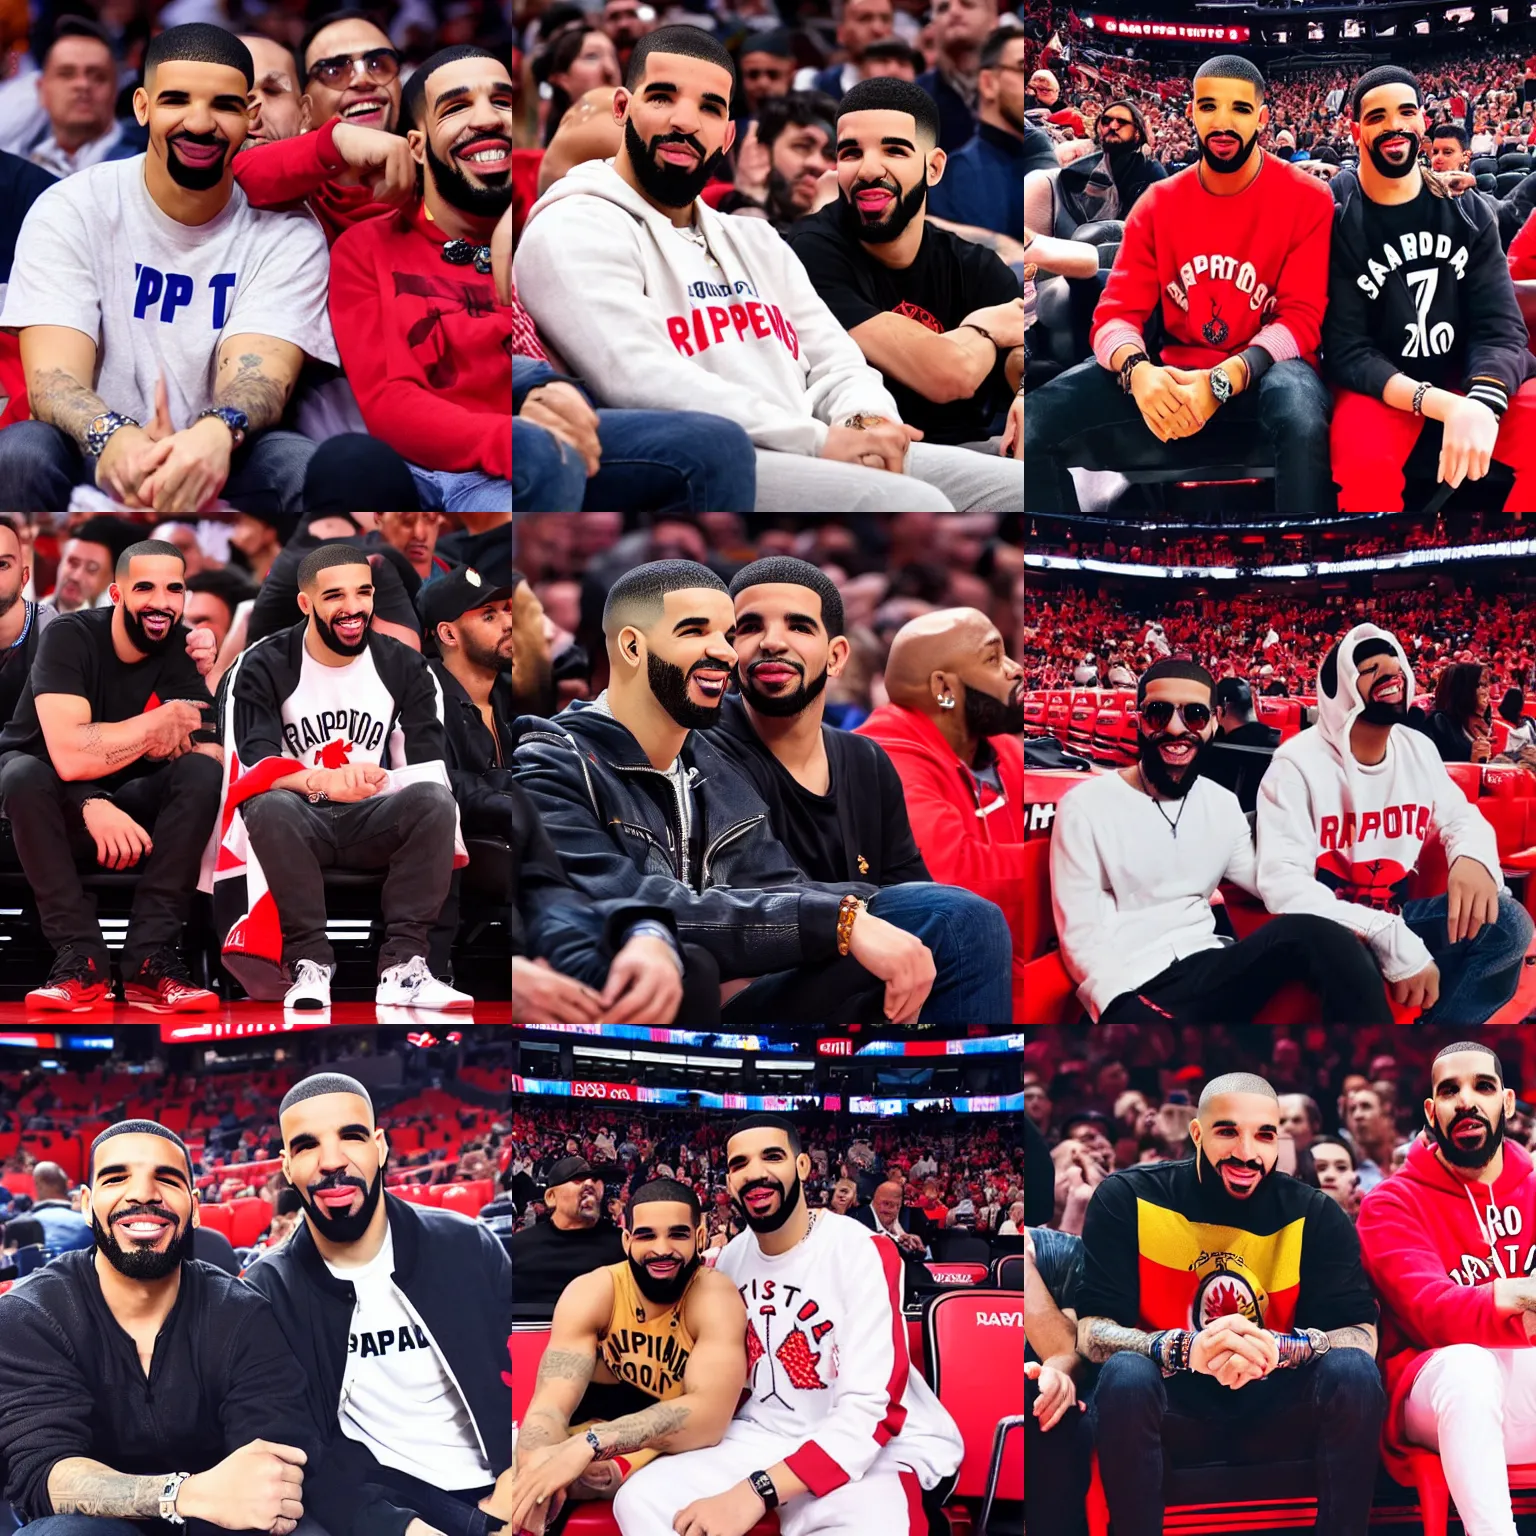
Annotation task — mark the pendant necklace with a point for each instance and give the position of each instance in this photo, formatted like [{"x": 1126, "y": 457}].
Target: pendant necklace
[{"x": 1173, "y": 821}]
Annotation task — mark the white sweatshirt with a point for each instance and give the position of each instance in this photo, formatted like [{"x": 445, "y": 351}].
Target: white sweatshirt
[
  {"x": 1131, "y": 898},
  {"x": 649, "y": 321},
  {"x": 827, "y": 1359},
  {"x": 1339, "y": 838}
]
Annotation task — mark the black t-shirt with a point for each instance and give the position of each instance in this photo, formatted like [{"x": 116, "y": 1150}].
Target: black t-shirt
[
  {"x": 1059, "y": 1263},
  {"x": 948, "y": 279},
  {"x": 77, "y": 656},
  {"x": 15, "y": 663},
  {"x": 1161, "y": 1250},
  {"x": 546, "y": 1258}
]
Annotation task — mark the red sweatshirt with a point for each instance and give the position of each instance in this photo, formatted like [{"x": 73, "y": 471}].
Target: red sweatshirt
[
  {"x": 1432, "y": 1246},
  {"x": 426, "y": 347},
  {"x": 301, "y": 170},
  {"x": 1522, "y": 251},
  {"x": 981, "y": 853},
  {"x": 1228, "y": 272}
]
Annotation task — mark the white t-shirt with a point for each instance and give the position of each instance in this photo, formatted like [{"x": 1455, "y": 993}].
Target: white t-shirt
[
  {"x": 397, "y": 1396},
  {"x": 340, "y": 716},
  {"x": 97, "y": 255}
]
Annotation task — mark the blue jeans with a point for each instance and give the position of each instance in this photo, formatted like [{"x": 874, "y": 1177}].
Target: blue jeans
[
  {"x": 452, "y": 490},
  {"x": 1478, "y": 975},
  {"x": 971, "y": 946},
  {"x": 1329, "y": 1412},
  {"x": 82, "y": 1525},
  {"x": 1083, "y": 419},
  {"x": 547, "y": 475}
]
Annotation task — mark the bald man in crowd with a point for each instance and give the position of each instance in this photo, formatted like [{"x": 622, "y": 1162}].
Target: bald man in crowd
[
  {"x": 885, "y": 1214},
  {"x": 274, "y": 95},
  {"x": 954, "y": 729},
  {"x": 63, "y": 1226}
]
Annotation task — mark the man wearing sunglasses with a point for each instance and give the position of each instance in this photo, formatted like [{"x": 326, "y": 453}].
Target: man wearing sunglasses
[
  {"x": 1344, "y": 814},
  {"x": 1136, "y": 857}
]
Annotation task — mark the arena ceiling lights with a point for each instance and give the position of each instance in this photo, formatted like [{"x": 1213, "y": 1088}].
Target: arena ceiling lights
[{"x": 1509, "y": 550}]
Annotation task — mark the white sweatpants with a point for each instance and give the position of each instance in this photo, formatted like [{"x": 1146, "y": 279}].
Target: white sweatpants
[
  {"x": 887, "y": 1499},
  {"x": 1477, "y": 1408}
]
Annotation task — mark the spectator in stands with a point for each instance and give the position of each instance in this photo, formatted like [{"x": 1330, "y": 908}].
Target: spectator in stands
[
  {"x": 21, "y": 184},
  {"x": 894, "y": 57},
  {"x": 1455, "y": 1324},
  {"x": 960, "y": 28},
  {"x": 845, "y": 1197},
  {"x": 257, "y": 288},
  {"x": 1339, "y": 843},
  {"x": 647, "y": 331},
  {"x": 350, "y": 71},
  {"x": 892, "y": 282},
  {"x": 817, "y": 949},
  {"x": 652, "y": 1348},
  {"x": 64, "y": 1228},
  {"x": 1333, "y": 1168},
  {"x": 1058, "y": 1445},
  {"x": 578, "y": 61},
  {"x": 1239, "y": 751},
  {"x": 213, "y": 596},
  {"x": 880, "y": 1435},
  {"x": 22, "y": 622},
  {"x": 1448, "y": 149},
  {"x": 85, "y": 565},
  {"x": 1437, "y": 337},
  {"x": 1519, "y": 745},
  {"x": 952, "y": 729},
  {"x": 432, "y": 382},
  {"x": 389, "y": 1305},
  {"x": 1300, "y": 1119},
  {"x": 1372, "y": 1135},
  {"x": 572, "y": 1239},
  {"x": 1301, "y": 1346},
  {"x": 766, "y": 64},
  {"x": 905, "y": 1225},
  {"x": 327, "y": 692},
  {"x": 983, "y": 180},
  {"x": 414, "y": 534},
  {"x": 798, "y": 135},
  {"x": 78, "y": 90},
  {"x": 1230, "y": 354},
  {"x": 91, "y": 769},
  {"x": 1461, "y": 723},
  {"x": 860, "y": 23},
  {"x": 260, "y": 537},
  {"x": 275, "y": 104},
  {"x": 626, "y": 22},
  {"x": 1138, "y": 935},
  {"x": 224, "y": 1435}
]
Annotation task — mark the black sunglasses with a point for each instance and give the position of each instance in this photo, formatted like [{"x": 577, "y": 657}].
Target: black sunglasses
[
  {"x": 380, "y": 65},
  {"x": 1159, "y": 712}
]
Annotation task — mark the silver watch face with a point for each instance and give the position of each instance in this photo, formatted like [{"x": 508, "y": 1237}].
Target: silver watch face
[{"x": 1221, "y": 385}]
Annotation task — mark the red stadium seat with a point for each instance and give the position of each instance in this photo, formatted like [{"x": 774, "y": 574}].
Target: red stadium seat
[
  {"x": 18, "y": 1183},
  {"x": 1420, "y": 1469},
  {"x": 432, "y": 1194},
  {"x": 218, "y": 1217},
  {"x": 957, "y": 1274},
  {"x": 1469, "y": 776},
  {"x": 249, "y": 1218},
  {"x": 463, "y": 1198},
  {"x": 1081, "y": 715}
]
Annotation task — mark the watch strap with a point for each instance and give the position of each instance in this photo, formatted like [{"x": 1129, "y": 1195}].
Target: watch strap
[
  {"x": 1128, "y": 367},
  {"x": 762, "y": 1486},
  {"x": 168, "y": 1494}
]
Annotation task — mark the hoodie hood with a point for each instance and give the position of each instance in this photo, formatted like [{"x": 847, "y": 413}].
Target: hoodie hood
[
  {"x": 1437, "y": 1182},
  {"x": 1338, "y": 711}
]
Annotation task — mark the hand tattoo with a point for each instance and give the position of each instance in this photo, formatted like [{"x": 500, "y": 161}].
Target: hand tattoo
[
  {"x": 241, "y": 383},
  {"x": 60, "y": 399}
]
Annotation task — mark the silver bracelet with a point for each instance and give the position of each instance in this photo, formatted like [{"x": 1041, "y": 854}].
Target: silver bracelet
[{"x": 1418, "y": 399}]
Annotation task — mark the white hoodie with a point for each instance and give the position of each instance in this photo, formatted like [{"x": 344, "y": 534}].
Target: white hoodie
[
  {"x": 1340, "y": 839},
  {"x": 648, "y": 321}
]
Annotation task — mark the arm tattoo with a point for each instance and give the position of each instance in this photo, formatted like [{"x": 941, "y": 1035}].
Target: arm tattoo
[
  {"x": 1352, "y": 1337},
  {"x": 93, "y": 744},
  {"x": 64, "y": 402},
  {"x": 636, "y": 1431},
  {"x": 566, "y": 1365},
  {"x": 544, "y": 1425},
  {"x": 1098, "y": 1338},
  {"x": 248, "y": 389},
  {"x": 79, "y": 1486}
]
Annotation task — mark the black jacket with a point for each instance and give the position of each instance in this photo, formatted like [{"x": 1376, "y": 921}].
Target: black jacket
[
  {"x": 479, "y": 780},
  {"x": 1450, "y": 737},
  {"x": 871, "y": 805},
  {"x": 1241, "y": 771},
  {"x": 1470, "y": 336},
  {"x": 547, "y": 1258},
  {"x": 748, "y": 905},
  {"x": 458, "y": 1279},
  {"x": 71, "y": 1383}
]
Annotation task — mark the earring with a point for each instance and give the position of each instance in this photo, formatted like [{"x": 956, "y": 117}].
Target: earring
[{"x": 947, "y": 702}]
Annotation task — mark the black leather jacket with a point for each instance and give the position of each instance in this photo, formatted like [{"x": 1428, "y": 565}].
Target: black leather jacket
[{"x": 752, "y": 909}]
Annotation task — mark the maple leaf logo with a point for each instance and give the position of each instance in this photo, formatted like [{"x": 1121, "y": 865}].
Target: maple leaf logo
[
  {"x": 799, "y": 1361},
  {"x": 755, "y": 1350},
  {"x": 335, "y": 754}
]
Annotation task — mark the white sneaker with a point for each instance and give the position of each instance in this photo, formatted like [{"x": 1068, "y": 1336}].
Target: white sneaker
[
  {"x": 311, "y": 989},
  {"x": 412, "y": 985}
]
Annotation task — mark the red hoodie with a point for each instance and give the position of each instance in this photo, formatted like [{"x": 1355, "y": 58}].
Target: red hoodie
[
  {"x": 304, "y": 169},
  {"x": 1432, "y": 1246},
  {"x": 983, "y": 853}
]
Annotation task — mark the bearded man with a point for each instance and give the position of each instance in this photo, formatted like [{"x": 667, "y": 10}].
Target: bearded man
[
  {"x": 646, "y": 1356},
  {"x": 1448, "y": 1244},
  {"x": 1275, "y": 1304},
  {"x": 1136, "y": 856}
]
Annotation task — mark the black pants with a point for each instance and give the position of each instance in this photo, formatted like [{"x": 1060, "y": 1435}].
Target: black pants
[
  {"x": 409, "y": 833},
  {"x": 176, "y": 804},
  {"x": 1231, "y": 984},
  {"x": 1060, "y": 1466},
  {"x": 453, "y": 1513}
]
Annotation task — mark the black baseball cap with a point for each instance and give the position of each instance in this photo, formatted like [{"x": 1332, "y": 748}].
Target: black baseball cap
[
  {"x": 452, "y": 595},
  {"x": 569, "y": 1170}
]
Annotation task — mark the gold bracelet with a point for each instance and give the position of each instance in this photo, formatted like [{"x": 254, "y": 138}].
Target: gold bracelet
[{"x": 848, "y": 909}]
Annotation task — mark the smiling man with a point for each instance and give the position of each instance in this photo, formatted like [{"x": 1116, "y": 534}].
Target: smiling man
[
  {"x": 1219, "y": 1274},
  {"x": 1345, "y": 810},
  {"x": 394, "y": 1309},
  {"x": 138, "y": 1384},
  {"x": 836, "y": 1431},
  {"x": 1136, "y": 857},
  {"x": 1423, "y": 324},
  {"x": 645, "y": 1357},
  {"x": 154, "y": 269},
  {"x": 1449, "y": 1244}
]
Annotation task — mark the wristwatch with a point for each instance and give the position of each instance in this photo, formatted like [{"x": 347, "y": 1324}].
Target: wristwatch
[
  {"x": 762, "y": 1486},
  {"x": 168, "y": 1495},
  {"x": 1128, "y": 367},
  {"x": 596, "y": 1444},
  {"x": 101, "y": 429},
  {"x": 236, "y": 421},
  {"x": 1319, "y": 1341},
  {"x": 1221, "y": 385}
]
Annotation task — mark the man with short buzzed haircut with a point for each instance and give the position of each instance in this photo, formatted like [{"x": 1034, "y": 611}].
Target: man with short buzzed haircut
[
  {"x": 137, "y": 1383},
  {"x": 573, "y": 1238},
  {"x": 1218, "y": 1273},
  {"x": 394, "y": 1309},
  {"x": 337, "y": 755},
  {"x": 639, "y": 802},
  {"x": 1449, "y": 1244},
  {"x": 1300, "y": 1119}
]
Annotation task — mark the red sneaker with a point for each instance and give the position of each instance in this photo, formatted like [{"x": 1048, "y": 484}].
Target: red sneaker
[
  {"x": 74, "y": 985},
  {"x": 162, "y": 984}
]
